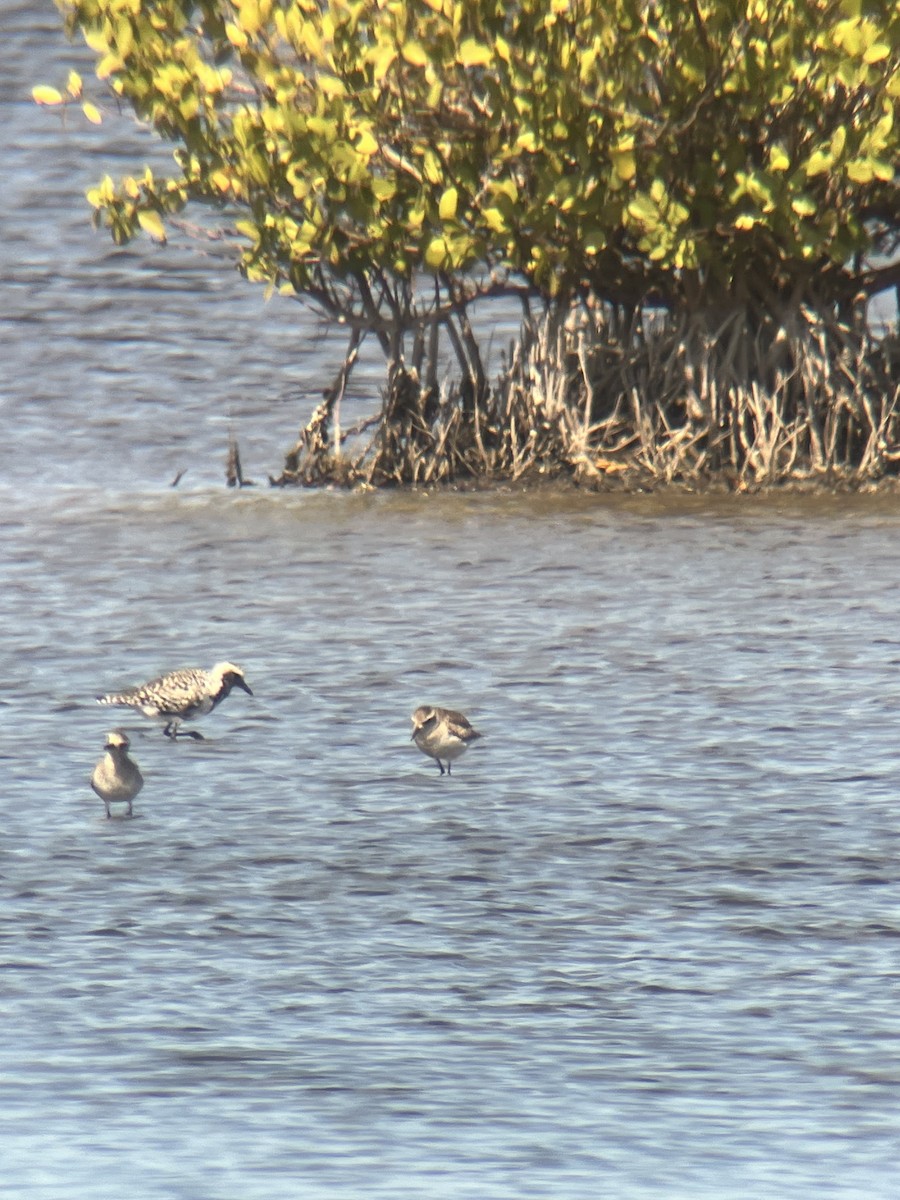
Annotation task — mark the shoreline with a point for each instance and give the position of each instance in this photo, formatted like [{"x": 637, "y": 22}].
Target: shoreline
[{"x": 622, "y": 482}]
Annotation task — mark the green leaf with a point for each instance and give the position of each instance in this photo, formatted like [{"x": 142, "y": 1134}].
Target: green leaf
[
  {"x": 861, "y": 170},
  {"x": 436, "y": 253},
  {"x": 432, "y": 167},
  {"x": 644, "y": 211},
  {"x": 474, "y": 54},
  {"x": 818, "y": 163},
  {"x": 151, "y": 223},
  {"x": 624, "y": 165},
  {"x": 366, "y": 144},
  {"x": 595, "y": 241},
  {"x": 414, "y": 54},
  {"x": 236, "y": 36},
  {"x": 384, "y": 189},
  {"x": 109, "y": 65},
  {"x": 96, "y": 40},
  {"x": 876, "y": 53},
  {"x": 382, "y": 59},
  {"x": 495, "y": 220},
  {"x": 778, "y": 159},
  {"x": 447, "y": 206},
  {"x": 803, "y": 206},
  {"x": 46, "y": 95}
]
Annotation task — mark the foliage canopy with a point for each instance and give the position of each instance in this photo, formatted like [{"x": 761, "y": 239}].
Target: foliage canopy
[
  {"x": 672, "y": 151},
  {"x": 730, "y": 163}
]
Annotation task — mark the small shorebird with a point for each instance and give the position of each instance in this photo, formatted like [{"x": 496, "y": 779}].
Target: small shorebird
[
  {"x": 190, "y": 692},
  {"x": 116, "y": 778},
  {"x": 442, "y": 733}
]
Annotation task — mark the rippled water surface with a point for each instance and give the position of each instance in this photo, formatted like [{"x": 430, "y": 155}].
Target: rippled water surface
[{"x": 644, "y": 942}]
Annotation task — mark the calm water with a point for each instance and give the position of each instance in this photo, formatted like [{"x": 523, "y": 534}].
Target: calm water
[{"x": 645, "y": 942}]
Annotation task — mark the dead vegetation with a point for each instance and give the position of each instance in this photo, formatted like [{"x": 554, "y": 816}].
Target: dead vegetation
[{"x": 617, "y": 400}]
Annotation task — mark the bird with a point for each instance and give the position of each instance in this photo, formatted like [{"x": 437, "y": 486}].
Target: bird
[
  {"x": 189, "y": 692},
  {"x": 442, "y": 733},
  {"x": 117, "y": 778}
]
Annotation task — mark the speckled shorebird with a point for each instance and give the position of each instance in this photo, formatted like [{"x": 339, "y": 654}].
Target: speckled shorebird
[
  {"x": 442, "y": 733},
  {"x": 117, "y": 778},
  {"x": 181, "y": 695}
]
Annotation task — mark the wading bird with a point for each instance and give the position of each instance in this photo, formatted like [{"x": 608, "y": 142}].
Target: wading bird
[
  {"x": 442, "y": 733},
  {"x": 117, "y": 778},
  {"x": 181, "y": 695}
]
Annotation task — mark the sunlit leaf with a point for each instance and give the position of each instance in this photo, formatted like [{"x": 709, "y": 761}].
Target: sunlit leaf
[
  {"x": 861, "y": 170},
  {"x": 624, "y": 164},
  {"x": 382, "y": 60},
  {"x": 803, "y": 206},
  {"x": 151, "y": 223},
  {"x": 436, "y": 253},
  {"x": 447, "y": 207},
  {"x": 876, "y": 53},
  {"x": 96, "y": 40},
  {"x": 818, "y": 162},
  {"x": 433, "y": 168},
  {"x": 778, "y": 159},
  {"x": 474, "y": 54},
  {"x": 108, "y": 65},
  {"x": 384, "y": 189},
  {"x": 495, "y": 220},
  {"x": 414, "y": 54},
  {"x": 366, "y": 144},
  {"x": 236, "y": 36},
  {"x": 643, "y": 210},
  {"x": 250, "y": 15},
  {"x": 46, "y": 95}
]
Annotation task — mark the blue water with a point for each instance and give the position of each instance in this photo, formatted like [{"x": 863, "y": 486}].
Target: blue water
[{"x": 644, "y": 942}]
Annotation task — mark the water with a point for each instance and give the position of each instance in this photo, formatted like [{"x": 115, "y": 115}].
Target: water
[{"x": 644, "y": 942}]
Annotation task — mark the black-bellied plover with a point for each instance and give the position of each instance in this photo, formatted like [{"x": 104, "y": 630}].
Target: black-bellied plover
[
  {"x": 180, "y": 695},
  {"x": 442, "y": 733},
  {"x": 117, "y": 778}
]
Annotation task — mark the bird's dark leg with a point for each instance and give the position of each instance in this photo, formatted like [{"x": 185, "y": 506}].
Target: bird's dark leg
[
  {"x": 172, "y": 731},
  {"x": 440, "y": 764},
  {"x": 448, "y": 767}
]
